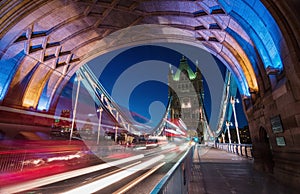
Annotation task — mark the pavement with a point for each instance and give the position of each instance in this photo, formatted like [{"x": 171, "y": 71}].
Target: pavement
[{"x": 219, "y": 172}]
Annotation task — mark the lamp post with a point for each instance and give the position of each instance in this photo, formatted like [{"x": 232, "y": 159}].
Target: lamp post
[
  {"x": 99, "y": 124},
  {"x": 233, "y": 100},
  {"x": 228, "y": 123},
  {"x": 75, "y": 106},
  {"x": 116, "y": 128}
]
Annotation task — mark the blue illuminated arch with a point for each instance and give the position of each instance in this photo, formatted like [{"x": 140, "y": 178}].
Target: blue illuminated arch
[
  {"x": 256, "y": 20},
  {"x": 246, "y": 46},
  {"x": 44, "y": 99}
]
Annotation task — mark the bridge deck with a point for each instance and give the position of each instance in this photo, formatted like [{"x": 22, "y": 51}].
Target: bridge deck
[{"x": 216, "y": 171}]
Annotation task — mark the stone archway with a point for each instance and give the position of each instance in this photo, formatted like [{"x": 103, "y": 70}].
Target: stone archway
[{"x": 43, "y": 42}]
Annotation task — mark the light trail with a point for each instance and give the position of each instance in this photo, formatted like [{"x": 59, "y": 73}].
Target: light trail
[
  {"x": 63, "y": 176},
  {"x": 139, "y": 179},
  {"x": 102, "y": 183},
  {"x": 115, "y": 171}
]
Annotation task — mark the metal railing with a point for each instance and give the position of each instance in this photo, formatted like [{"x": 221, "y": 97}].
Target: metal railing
[
  {"x": 244, "y": 150},
  {"x": 178, "y": 177}
]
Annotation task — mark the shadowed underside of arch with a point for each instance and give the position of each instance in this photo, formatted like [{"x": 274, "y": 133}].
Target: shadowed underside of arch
[{"x": 44, "y": 42}]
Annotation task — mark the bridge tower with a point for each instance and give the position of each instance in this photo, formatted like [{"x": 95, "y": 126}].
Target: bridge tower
[{"x": 186, "y": 90}]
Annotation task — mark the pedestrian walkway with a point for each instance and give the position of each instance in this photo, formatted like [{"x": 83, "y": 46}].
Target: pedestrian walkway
[{"x": 218, "y": 172}]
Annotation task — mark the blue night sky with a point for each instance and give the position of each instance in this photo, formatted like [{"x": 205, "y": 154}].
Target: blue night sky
[{"x": 136, "y": 78}]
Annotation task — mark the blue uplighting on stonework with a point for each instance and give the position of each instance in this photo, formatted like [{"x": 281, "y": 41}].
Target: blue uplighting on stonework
[
  {"x": 8, "y": 69},
  {"x": 243, "y": 86},
  {"x": 246, "y": 46},
  {"x": 44, "y": 99},
  {"x": 260, "y": 26},
  {"x": 257, "y": 41}
]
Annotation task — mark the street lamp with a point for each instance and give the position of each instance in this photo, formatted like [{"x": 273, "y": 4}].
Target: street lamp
[
  {"x": 100, "y": 109},
  {"x": 228, "y": 124},
  {"x": 75, "y": 106},
  {"x": 233, "y": 100},
  {"x": 116, "y": 128}
]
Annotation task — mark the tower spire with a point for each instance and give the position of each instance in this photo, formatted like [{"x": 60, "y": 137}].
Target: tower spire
[{"x": 184, "y": 66}]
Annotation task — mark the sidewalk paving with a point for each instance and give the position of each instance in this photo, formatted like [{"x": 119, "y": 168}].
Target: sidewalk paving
[{"x": 219, "y": 172}]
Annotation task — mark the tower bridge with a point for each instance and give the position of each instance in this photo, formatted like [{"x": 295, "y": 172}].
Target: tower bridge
[{"x": 44, "y": 43}]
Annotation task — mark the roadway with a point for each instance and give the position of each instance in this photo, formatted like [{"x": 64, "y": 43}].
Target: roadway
[{"x": 129, "y": 174}]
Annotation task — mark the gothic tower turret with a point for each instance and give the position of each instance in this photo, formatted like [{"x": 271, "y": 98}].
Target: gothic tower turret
[{"x": 186, "y": 89}]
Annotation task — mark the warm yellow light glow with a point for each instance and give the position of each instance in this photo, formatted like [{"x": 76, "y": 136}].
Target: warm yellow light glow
[
  {"x": 35, "y": 87},
  {"x": 244, "y": 63},
  {"x": 28, "y": 103}
]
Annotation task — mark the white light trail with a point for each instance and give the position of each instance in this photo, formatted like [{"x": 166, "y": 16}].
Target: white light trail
[
  {"x": 102, "y": 183},
  {"x": 169, "y": 146},
  {"x": 115, "y": 171},
  {"x": 139, "y": 179}
]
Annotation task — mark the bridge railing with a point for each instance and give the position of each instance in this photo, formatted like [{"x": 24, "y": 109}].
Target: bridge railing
[
  {"x": 177, "y": 179},
  {"x": 244, "y": 150}
]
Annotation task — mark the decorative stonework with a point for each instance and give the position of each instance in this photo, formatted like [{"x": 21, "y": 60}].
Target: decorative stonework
[
  {"x": 38, "y": 47},
  {"x": 43, "y": 42}
]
